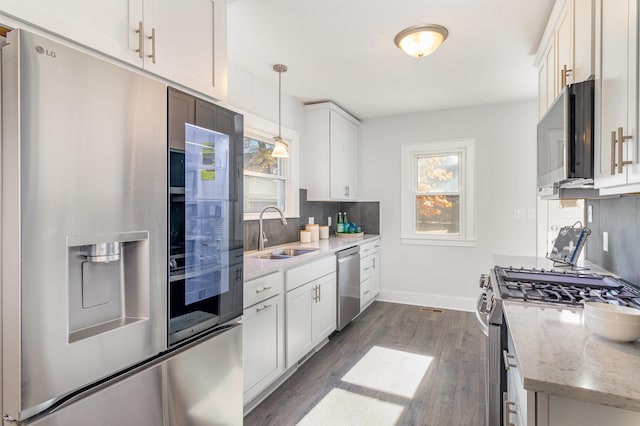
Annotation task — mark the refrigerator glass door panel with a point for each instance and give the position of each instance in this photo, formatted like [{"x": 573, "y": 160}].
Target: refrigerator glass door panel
[
  {"x": 205, "y": 263},
  {"x": 82, "y": 159}
]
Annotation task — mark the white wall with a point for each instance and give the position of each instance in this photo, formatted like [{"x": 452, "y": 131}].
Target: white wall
[
  {"x": 441, "y": 276},
  {"x": 248, "y": 93}
]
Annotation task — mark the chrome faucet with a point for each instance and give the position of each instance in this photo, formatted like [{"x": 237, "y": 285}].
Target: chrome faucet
[{"x": 262, "y": 237}]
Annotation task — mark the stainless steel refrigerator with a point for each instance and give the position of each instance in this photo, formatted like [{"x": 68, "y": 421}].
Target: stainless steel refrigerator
[{"x": 86, "y": 287}]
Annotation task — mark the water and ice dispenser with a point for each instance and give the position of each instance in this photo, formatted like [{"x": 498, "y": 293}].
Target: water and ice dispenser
[{"x": 108, "y": 282}]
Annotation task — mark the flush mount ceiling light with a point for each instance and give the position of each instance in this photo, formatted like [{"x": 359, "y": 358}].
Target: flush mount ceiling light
[
  {"x": 280, "y": 150},
  {"x": 421, "y": 40}
]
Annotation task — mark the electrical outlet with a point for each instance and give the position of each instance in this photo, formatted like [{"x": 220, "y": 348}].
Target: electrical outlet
[
  {"x": 589, "y": 213},
  {"x": 516, "y": 213},
  {"x": 605, "y": 241},
  {"x": 312, "y": 220},
  {"x": 329, "y": 221},
  {"x": 531, "y": 213}
]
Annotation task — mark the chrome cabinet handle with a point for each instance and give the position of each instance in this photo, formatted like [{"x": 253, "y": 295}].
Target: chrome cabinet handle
[
  {"x": 507, "y": 357},
  {"x": 373, "y": 261},
  {"x": 263, "y": 308},
  {"x": 153, "y": 45},
  {"x": 621, "y": 138},
  {"x": 315, "y": 293},
  {"x": 263, "y": 288},
  {"x": 140, "y": 32},
  {"x": 506, "y": 409},
  {"x": 346, "y": 191},
  {"x": 319, "y": 293}
]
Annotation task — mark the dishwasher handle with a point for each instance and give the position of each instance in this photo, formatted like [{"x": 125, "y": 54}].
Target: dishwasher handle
[{"x": 347, "y": 252}]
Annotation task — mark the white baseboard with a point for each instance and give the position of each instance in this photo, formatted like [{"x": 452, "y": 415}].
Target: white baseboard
[{"x": 425, "y": 299}]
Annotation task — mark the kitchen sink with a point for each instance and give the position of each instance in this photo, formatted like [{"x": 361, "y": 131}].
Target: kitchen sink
[{"x": 286, "y": 253}]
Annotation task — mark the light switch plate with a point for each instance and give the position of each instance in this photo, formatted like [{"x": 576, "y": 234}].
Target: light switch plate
[
  {"x": 312, "y": 220},
  {"x": 605, "y": 241},
  {"x": 589, "y": 213}
]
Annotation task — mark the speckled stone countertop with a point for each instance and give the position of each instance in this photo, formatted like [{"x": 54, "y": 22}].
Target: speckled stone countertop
[
  {"x": 558, "y": 355},
  {"x": 255, "y": 267}
]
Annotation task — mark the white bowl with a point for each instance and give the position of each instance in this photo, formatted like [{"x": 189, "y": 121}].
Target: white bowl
[
  {"x": 611, "y": 312},
  {"x": 616, "y": 330}
]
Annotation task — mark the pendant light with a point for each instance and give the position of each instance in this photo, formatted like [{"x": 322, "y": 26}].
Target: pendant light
[
  {"x": 421, "y": 40},
  {"x": 280, "y": 150}
]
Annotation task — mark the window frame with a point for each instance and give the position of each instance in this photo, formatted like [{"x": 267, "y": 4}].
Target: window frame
[
  {"x": 409, "y": 191},
  {"x": 259, "y": 128}
]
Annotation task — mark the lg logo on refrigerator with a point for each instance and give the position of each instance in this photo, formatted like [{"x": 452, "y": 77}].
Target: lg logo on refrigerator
[{"x": 41, "y": 50}]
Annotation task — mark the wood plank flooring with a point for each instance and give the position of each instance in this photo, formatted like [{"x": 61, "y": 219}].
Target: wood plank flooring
[{"x": 394, "y": 365}]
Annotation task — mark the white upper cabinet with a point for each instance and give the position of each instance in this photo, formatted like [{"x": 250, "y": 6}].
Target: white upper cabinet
[
  {"x": 190, "y": 43},
  {"x": 616, "y": 162},
  {"x": 182, "y": 41},
  {"x": 566, "y": 53},
  {"x": 331, "y": 153}
]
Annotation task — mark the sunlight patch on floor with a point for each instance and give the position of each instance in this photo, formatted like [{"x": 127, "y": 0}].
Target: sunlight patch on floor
[
  {"x": 389, "y": 370},
  {"x": 340, "y": 407}
]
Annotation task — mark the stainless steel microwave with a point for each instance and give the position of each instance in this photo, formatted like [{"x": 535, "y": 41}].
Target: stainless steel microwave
[{"x": 565, "y": 137}]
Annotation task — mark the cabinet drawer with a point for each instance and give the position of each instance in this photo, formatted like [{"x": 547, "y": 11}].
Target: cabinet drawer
[
  {"x": 262, "y": 288},
  {"x": 308, "y": 272},
  {"x": 365, "y": 268},
  {"x": 366, "y": 249}
]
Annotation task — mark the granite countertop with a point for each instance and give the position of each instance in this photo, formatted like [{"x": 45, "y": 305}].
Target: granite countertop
[
  {"x": 558, "y": 355},
  {"x": 255, "y": 267}
]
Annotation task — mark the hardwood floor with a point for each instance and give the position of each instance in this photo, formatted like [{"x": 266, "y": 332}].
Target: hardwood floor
[{"x": 395, "y": 364}]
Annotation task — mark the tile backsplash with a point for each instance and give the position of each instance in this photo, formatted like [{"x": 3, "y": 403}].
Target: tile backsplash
[
  {"x": 366, "y": 214},
  {"x": 619, "y": 218}
]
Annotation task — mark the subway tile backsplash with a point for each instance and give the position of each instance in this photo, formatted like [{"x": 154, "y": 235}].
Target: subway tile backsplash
[{"x": 366, "y": 214}]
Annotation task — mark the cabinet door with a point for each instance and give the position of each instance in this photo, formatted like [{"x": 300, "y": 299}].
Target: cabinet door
[
  {"x": 616, "y": 69},
  {"x": 263, "y": 339},
  {"x": 324, "y": 307},
  {"x": 375, "y": 275},
  {"x": 104, "y": 25},
  {"x": 551, "y": 75},
  {"x": 299, "y": 333},
  {"x": 542, "y": 90},
  {"x": 344, "y": 158},
  {"x": 564, "y": 47},
  {"x": 184, "y": 48},
  {"x": 583, "y": 40}
]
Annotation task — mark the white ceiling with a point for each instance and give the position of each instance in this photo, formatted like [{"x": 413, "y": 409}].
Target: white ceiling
[{"x": 343, "y": 51}]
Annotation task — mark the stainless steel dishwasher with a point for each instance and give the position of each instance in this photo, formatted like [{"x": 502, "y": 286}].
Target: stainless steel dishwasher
[{"x": 348, "y": 266}]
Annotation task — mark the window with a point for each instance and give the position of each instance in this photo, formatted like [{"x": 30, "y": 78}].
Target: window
[
  {"x": 265, "y": 180},
  {"x": 437, "y": 193},
  {"x": 269, "y": 180}
]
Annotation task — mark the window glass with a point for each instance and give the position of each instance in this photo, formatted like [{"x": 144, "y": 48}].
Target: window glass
[
  {"x": 438, "y": 193},
  {"x": 265, "y": 181}
]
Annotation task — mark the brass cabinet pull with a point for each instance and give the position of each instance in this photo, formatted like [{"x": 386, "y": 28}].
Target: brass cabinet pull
[
  {"x": 621, "y": 138},
  {"x": 563, "y": 75},
  {"x": 140, "y": 32},
  {"x": 613, "y": 153},
  {"x": 153, "y": 45}
]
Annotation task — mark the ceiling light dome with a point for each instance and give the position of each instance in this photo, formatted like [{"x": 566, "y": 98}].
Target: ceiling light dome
[{"x": 421, "y": 40}]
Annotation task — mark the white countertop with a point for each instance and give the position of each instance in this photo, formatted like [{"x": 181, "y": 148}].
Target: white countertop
[
  {"x": 558, "y": 355},
  {"x": 255, "y": 267}
]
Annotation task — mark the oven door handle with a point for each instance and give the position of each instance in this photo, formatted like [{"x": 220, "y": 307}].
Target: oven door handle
[{"x": 482, "y": 317}]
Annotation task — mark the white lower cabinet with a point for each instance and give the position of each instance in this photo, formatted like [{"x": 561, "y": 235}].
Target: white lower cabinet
[
  {"x": 310, "y": 307},
  {"x": 526, "y": 408},
  {"x": 263, "y": 335},
  {"x": 369, "y": 273}
]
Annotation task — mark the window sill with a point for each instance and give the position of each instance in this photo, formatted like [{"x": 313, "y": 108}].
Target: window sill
[
  {"x": 270, "y": 214},
  {"x": 438, "y": 242}
]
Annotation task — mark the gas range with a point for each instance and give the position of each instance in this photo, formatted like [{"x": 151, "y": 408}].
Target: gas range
[{"x": 571, "y": 288}]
